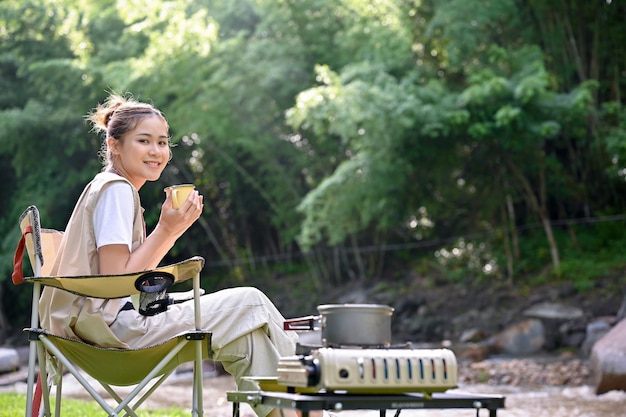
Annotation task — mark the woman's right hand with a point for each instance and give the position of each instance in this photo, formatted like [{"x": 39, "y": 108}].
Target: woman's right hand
[
  {"x": 177, "y": 221},
  {"x": 172, "y": 224}
]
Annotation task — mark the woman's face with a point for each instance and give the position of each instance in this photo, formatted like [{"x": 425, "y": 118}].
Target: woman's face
[{"x": 142, "y": 154}]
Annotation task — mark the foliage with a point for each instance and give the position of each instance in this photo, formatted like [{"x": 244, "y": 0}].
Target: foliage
[
  {"x": 615, "y": 137},
  {"x": 589, "y": 251},
  {"x": 328, "y": 133},
  {"x": 469, "y": 261},
  {"x": 366, "y": 109},
  {"x": 464, "y": 35},
  {"x": 581, "y": 41}
]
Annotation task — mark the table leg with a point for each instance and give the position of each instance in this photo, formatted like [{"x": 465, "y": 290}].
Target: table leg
[
  {"x": 235, "y": 409},
  {"x": 492, "y": 413}
]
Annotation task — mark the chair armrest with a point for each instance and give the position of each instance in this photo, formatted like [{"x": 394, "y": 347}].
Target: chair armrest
[{"x": 122, "y": 285}]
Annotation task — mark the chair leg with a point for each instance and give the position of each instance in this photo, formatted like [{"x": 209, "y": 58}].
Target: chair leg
[
  {"x": 113, "y": 394},
  {"x": 198, "y": 407},
  {"x": 30, "y": 384},
  {"x": 43, "y": 381},
  {"x": 74, "y": 371},
  {"x": 156, "y": 384},
  {"x": 128, "y": 407},
  {"x": 59, "y": 393}
]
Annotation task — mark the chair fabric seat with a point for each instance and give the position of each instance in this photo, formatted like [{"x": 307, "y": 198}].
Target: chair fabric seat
[{"x": 125, "y": 367}]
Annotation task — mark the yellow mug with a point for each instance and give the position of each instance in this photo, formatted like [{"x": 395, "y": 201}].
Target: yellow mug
[{"x": 180, "y": 193}]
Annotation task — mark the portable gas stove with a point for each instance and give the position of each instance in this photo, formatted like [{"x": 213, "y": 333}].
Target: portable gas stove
[
  {"x": 368, "y": 379},
  {"x": 340, "y": 372},
  {"x": 371, "y": 371}
]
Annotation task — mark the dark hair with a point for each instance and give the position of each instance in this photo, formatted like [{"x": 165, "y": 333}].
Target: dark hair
[{"x": 117, "y": 116}]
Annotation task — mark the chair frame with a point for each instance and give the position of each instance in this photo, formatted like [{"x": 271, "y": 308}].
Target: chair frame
[{"x": 191, "y": 346}]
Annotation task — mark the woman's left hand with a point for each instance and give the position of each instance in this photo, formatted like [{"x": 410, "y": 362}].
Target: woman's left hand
[{"x": 177, "y": 221}]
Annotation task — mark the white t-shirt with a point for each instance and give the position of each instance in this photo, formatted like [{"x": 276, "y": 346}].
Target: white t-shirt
[{"x": 113, "y": 216}]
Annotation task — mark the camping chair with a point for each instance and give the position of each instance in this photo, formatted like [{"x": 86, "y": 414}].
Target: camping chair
[{"x": 108, "y": 366}]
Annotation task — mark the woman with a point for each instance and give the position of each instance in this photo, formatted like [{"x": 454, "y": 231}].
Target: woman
[{"x": 106, "y": 235}]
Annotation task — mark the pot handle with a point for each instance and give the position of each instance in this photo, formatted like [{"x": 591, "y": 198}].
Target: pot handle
[{"x": 301, "y": 323}]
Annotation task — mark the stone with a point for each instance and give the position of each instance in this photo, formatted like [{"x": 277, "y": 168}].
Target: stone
[
  {"x": 594, "y": 332},
  {"x": 608, "y": 360},
  {"x": 9, "y": 360},
  {"x": 471, "y": 335},
  {"x": 523, "y": 338},
  {"x": 554, "y": 311},
  {"x": 475, "y": 352}
]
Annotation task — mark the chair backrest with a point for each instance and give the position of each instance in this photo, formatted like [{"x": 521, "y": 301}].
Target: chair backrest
[
  {"x": 41, "y": 245},
  {"x": 50, "y": 242}
]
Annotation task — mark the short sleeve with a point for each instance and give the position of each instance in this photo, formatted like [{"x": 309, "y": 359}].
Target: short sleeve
[{"x": 113, "y": 216}]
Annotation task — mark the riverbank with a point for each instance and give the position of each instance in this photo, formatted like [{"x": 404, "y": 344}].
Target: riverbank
[
  {"x": 565, "y": 371},
  {"x": 433, "y": 310}
]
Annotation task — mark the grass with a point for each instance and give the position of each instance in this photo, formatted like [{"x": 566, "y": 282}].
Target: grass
[{"x": 14, "y": 405}]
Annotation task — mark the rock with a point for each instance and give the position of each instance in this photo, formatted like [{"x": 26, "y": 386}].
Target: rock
[
  {"x": 471, "y": 335},
  {"x": 594, "y": 332},
  {"x": 23, "y": 354},
  {"x": 621, "y": 313},
  {"x": 10, "y": 378},
  {"x": 573, "y": 340},
  {"x": 9, "y": 360},
  {"x": 608, "y": 360},
  {"x": 572, "y": 333},
  {"x": 560, "y": 322},
  {"x": 476, "y": 352},
  {"x": 554, "y": 311},
  {"x": 523, "y": 338}
]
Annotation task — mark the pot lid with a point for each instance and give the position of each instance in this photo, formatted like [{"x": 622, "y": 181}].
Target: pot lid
[{"x": 379, "y": 308}]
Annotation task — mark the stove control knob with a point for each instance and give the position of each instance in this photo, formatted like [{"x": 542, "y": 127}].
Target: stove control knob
[{"x": 312, "y": 366}]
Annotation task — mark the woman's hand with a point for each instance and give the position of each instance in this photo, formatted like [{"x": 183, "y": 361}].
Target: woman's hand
[
  {"x": 116, "y": 259},
  {"x": 176, "y": 221}
]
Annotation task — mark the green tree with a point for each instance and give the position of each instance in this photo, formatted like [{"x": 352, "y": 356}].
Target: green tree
[{"x": 517, "y": 127}]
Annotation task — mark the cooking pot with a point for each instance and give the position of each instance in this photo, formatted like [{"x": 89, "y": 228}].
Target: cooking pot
[{"x": 364, "y": 325}]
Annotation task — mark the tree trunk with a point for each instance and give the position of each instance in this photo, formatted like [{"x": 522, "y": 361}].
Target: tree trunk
[
  {"x": 539, "y": 207},
  {"x": 507, "y": 245},
  {"x": 554, "y": 250},
  {"x": 513, "y": 228},
  {"x": 358, "y": 260}
]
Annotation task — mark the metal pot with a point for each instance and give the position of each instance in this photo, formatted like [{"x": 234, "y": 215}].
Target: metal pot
[{"x": 365, "y": 325}]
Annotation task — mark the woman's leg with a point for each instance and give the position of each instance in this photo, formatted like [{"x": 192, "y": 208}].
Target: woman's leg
[{"x": 247, "y": 332}]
